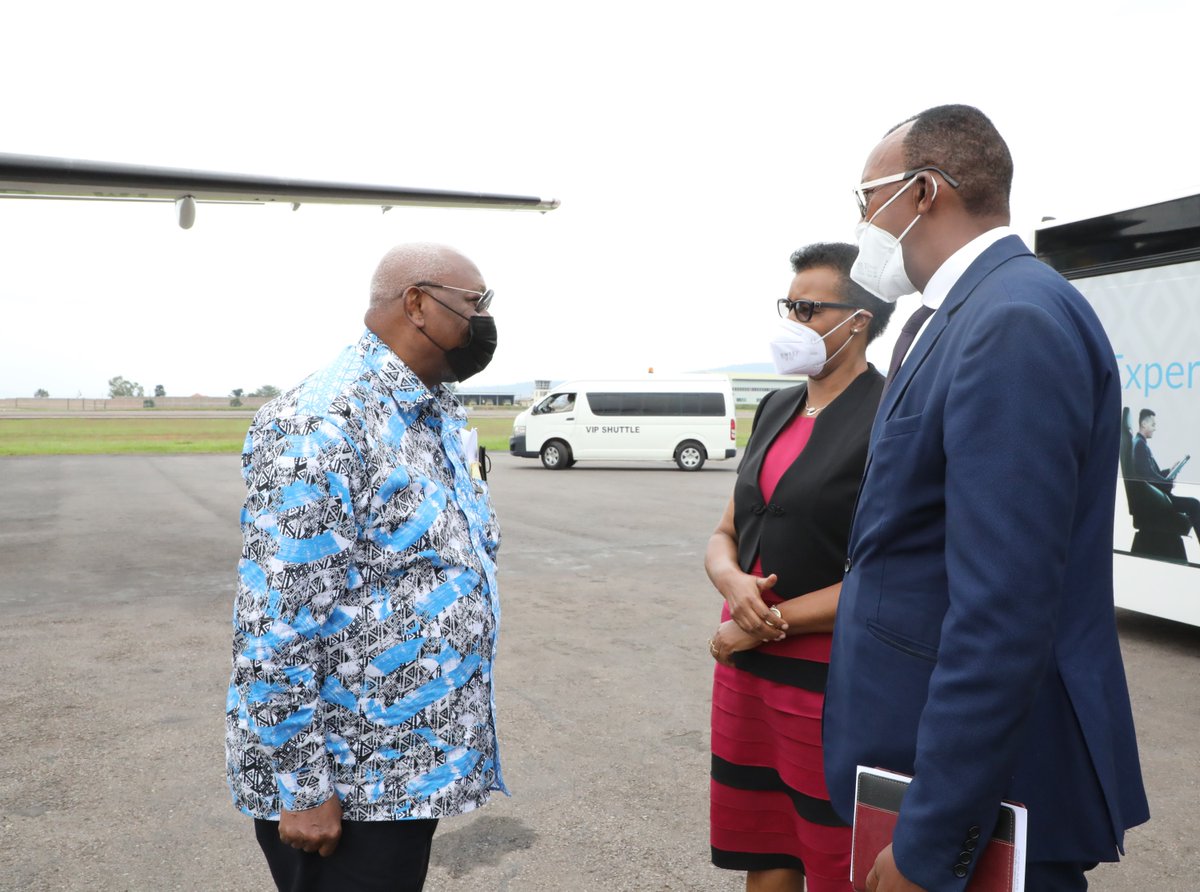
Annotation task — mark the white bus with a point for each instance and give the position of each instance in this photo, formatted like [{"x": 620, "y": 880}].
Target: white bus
[
  {"x": 687, "y": 419},
  {"x": 1140, "y": 269}
]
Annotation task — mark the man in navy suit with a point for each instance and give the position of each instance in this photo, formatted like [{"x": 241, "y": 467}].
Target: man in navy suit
[
  {"x": 1146, "y": 468},
  {"x": 975, "y": 645}
]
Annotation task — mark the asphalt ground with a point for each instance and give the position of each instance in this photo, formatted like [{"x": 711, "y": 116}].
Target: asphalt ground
[{"x": 116, "y": 583}]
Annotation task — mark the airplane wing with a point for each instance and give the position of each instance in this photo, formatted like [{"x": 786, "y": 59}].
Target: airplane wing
[{"x": 36, "y": 176}]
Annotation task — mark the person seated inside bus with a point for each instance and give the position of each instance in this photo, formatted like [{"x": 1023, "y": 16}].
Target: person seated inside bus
[{"x": 1147, "y": 469}]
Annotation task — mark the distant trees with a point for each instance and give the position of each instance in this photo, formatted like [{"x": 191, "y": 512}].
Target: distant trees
[
  {"x": 118, "y": 386},
  {"x": 121, "y": 386},
  {"x": 41, "y": 393},
  {"x": 267, "y": 391}
]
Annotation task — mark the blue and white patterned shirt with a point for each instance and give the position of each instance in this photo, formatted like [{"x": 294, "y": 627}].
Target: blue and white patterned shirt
[{"x": 364, "y": 629}]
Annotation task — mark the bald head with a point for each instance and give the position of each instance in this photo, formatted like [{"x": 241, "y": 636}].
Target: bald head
[
  {"x": 408, "y": 264},
  {"x": 420, "y": 324}
]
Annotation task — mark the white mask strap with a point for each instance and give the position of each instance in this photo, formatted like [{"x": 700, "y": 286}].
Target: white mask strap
[
  {"x": 847, "y": 341},
  {"x": 901, "y": 236},
  {"x": 883, "y": 207},
  {"x": 840, "y": 324}
]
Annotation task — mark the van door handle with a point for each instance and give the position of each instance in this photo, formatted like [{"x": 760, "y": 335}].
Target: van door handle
[{"x": 569, "y": 418}]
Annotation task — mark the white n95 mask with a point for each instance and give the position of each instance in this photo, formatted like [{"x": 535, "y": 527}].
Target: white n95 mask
[
  {"x": 879, "y": 266},
  {"x": 798, "y": 350}
]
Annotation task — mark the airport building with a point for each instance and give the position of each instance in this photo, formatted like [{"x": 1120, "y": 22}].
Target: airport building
[
  {"x": 486, "y": 397},
  {"x": 749, "y": 388}
]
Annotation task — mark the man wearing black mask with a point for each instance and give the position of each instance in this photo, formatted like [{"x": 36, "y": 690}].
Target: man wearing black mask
[{"x": 360, "y": 708}]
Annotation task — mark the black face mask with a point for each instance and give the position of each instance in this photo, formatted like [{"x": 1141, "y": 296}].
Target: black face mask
[{"x": 473, "y": 356}]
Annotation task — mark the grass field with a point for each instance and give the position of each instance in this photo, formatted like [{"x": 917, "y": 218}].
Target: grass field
[
  {"x": 162, "y": 434},
  {"x": 116, "y": 436}
]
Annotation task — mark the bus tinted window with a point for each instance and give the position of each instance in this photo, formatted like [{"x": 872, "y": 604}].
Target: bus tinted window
[{"x": 657, "y": 404}]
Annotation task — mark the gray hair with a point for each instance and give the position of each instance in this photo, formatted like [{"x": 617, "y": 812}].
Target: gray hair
[{"x": 406, "y": 265}]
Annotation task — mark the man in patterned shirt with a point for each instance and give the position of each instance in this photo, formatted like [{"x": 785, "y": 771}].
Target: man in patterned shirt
[{"x": 360, "y": 709}]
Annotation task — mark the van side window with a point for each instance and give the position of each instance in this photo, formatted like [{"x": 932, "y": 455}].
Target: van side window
[{"x": 657, "y": 404}]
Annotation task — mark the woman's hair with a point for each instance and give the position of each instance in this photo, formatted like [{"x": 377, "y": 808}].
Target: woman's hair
[{"x": 839, "y": 257}]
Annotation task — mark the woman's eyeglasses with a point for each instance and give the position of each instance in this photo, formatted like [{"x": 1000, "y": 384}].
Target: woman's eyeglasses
[{"x": 804, "y": 309}]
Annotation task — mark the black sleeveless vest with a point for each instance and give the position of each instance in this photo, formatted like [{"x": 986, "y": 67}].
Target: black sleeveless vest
[{"x": 803, "y": 532}]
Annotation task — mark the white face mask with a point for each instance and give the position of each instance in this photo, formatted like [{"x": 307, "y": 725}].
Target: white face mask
[
  {"x": 879, "y": 266},
  {"x": 798, "y": 350}
]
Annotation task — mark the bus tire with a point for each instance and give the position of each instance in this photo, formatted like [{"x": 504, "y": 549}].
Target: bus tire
[
  {"x": 556, "y": 456},
  {"x": 690, "y": 456}
]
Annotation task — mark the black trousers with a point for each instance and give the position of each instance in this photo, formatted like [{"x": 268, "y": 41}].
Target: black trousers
[
  {"x": 372, "y": 856},
  {"x": 1189, "y": 506}
]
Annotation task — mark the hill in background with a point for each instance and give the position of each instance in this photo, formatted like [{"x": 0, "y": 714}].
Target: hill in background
[{"x": 524, "y": 389}]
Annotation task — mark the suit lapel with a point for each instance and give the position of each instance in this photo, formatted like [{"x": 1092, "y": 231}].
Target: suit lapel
[
  {"x": 782, "y": 413},
  {"x": 1000, "y": 252},
  {"x": 778, "y": 413}
]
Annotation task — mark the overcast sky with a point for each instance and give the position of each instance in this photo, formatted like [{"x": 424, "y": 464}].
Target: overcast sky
[{"x": 693, "y": 146}]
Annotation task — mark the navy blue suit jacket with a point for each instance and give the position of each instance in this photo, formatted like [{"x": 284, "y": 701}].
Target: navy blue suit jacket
[{"x": 975, "y": 644}]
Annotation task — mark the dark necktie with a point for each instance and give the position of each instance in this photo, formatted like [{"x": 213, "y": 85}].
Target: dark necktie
[{"x": 911, "y": 327}]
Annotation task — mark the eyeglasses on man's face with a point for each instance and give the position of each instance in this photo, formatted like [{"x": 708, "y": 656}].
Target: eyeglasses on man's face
[
  {"x": 804, "y": 309},
  {"x": 861, "y": 190},
  {"x": 481, "y": 304}
]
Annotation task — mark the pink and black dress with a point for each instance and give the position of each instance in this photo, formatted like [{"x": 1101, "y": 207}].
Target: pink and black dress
[{"x": 793, "y": 503}]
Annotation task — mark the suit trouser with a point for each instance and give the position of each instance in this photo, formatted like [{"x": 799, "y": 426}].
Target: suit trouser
[
  {"x": 1056, "y": 876},
  {"x": 371, "y": 856},
  {"x": 1189, "y": 506}
]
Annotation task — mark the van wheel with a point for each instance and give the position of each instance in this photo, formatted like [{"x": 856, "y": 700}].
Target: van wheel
[
  {"x": 690, "y": 456},
  {"x": 556, "y": 455}
]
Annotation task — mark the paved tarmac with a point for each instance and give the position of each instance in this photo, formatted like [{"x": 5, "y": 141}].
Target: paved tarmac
[{"x": 116, "y": 580}]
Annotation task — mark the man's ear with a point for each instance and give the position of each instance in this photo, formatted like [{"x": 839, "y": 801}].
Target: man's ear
[
  {"x": 414, "y": 305},
  {"x": 927, "y": 192}
]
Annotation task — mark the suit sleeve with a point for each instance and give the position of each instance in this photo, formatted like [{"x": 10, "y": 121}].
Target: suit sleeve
[{"x": 1017, "y": 426}]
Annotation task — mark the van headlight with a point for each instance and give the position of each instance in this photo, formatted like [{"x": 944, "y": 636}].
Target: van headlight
[{"x": 518, "y": 430}]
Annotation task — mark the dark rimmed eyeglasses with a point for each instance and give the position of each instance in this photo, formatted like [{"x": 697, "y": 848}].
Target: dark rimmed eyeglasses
[
  {"x": 861, "y": 190},
  {"x": 484, "y": 297},
  {"x": 804, "y": 309}
]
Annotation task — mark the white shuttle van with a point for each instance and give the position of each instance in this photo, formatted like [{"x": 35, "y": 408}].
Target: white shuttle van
[{"x": 686, "y": 419}]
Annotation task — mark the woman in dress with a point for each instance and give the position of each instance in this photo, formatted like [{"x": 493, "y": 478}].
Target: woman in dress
[{"x": 777, "y": 558}]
